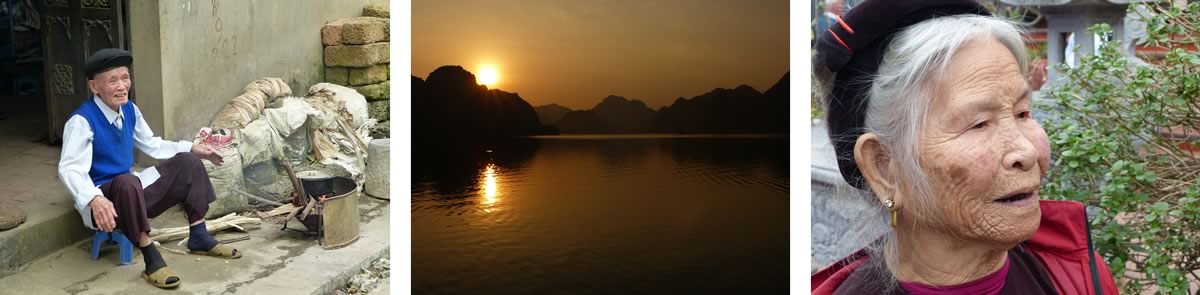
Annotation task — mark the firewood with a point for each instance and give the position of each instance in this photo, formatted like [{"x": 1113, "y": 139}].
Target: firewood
[
  {"x": 225, "y": 222},
  {"x": 169, "y": 249},
  {"x": 281, "y": 210}
]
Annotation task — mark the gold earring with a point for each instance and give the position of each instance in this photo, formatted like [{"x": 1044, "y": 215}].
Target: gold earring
[{"x": 891, "y": 205}]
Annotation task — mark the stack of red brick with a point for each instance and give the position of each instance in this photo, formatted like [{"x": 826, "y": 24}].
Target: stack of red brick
[{"x": 357, "y": 55}]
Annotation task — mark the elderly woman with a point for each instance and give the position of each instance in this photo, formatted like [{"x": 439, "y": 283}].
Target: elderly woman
[{"x": 929, "y": 113}]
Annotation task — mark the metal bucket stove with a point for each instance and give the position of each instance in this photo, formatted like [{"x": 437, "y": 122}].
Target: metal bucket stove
[{"x": 328, "y": 208}]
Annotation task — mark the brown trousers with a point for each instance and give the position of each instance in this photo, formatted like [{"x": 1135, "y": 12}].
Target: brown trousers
[{"x": 183, "y": 181}]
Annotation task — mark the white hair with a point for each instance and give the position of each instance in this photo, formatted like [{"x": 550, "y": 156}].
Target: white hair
[{"x": 897, "y": 103}]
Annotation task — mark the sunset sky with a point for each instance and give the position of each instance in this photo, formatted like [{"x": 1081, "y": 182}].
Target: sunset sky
[{"x": 575, "y": 53}]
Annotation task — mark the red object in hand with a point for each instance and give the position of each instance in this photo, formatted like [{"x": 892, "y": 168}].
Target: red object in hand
[{"x": 217, "y": 139}]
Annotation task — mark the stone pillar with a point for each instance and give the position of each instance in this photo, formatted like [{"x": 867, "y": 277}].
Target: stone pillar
[
  {"x": 1063, "y": 20},
  {"x": 378, "y": 183}
]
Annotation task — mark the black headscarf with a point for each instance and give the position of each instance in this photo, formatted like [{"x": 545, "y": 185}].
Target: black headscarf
[{"x": 852, "y": 50}]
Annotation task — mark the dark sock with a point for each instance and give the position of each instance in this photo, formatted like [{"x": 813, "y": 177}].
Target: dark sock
[
  {"x": 199, "y": 239},
  {"x": 154, "y": 260}
]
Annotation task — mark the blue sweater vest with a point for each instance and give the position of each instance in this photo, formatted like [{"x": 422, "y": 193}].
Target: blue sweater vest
[{"x": 112, "y": 148}]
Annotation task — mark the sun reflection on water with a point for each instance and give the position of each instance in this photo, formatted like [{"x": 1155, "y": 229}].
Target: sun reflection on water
[{"x": 490, "y": 187}]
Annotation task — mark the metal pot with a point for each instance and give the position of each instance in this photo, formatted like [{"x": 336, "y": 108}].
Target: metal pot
[{"x": 316, "y": 183}]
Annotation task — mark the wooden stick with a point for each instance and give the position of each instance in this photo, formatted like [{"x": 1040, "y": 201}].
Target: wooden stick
[
  {"x": 297, "y": 186},
  {"x": 168, "y": 249},
  {"x": 281, "y": 210},
  {"x": 219, "y": 224},
  {"x": 257, "y": 198},
  {"x": 350, "y": 132},
  {"x": 289, "y": 217},
  {"x": 307, "y": 209},
  {"x": 239, "y": 239}
]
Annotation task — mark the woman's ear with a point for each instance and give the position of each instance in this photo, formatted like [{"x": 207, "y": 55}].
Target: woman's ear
[{"x": 875, "y": 163}]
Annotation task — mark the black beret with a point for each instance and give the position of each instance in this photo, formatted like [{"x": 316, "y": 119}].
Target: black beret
[
  {"x": 852, "y": 50},
  {"x": 105, "y": 59}
]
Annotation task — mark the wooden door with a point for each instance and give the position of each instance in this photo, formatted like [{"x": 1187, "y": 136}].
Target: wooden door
[{"x": 71, "y": 31}]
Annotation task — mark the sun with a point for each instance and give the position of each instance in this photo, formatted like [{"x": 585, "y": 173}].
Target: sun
[{"x": 488, "y": 75}]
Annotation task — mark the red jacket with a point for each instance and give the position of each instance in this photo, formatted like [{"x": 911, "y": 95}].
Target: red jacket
[{"x": 1061, "y": 243}]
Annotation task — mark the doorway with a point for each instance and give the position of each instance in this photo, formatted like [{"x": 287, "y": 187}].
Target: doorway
[
  {"x": 71, "y": 32},
  {"x": 23, "y": 114}
]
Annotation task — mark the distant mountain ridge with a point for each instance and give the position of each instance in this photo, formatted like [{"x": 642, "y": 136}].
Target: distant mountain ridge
[
  {"x": 720, "y": 111},
  {"x": 625, "y": 115},
  {"x": 449, "y": 105},
  {"x": 551, "y": 113},
  {"x": 582, "y": 122}
]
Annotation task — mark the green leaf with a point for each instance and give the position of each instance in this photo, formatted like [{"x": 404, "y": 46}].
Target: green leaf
[
  {"x": 1104, "y": 120},
  {"x": 1160, "y": 206}
]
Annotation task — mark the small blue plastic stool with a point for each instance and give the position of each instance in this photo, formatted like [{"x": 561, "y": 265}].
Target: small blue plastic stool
[{"x": 117, "y": 238}]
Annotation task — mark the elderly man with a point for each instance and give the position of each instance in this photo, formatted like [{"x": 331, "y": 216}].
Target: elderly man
[{"x": 97, "y": 160}]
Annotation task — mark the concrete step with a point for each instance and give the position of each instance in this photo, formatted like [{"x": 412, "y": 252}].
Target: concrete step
[
  {"x": 52, "y": 224},
  {"x": 30, "y": 181},
  {"x": 274, "y": 262}
]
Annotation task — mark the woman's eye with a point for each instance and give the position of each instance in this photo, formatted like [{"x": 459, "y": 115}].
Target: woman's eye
[
  {"x": 979, "y": 125},
  {"x": 1023, "y": 115}
]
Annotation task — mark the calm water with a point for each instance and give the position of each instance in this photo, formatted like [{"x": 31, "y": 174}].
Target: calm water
[{"x": 602, "y": 215}]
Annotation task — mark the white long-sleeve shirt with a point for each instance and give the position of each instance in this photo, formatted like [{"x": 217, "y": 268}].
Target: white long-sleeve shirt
[{"x": 76, "y": 159}]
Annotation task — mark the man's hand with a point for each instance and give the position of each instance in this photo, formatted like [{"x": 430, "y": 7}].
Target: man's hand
[
  {"x": 209, "y": 153},
  {"x": 103, "y": 213}
]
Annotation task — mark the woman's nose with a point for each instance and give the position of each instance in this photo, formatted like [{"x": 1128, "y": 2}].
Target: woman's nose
[{"x": 1019, "y": 152}]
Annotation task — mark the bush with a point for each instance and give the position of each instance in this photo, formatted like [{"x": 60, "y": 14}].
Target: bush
[{"x": 1114, "y": 153}]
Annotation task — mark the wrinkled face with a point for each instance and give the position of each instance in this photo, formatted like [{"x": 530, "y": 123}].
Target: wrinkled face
[
  {"x": 982, "y": 149},
  {"x": 112, "y": 86}
]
